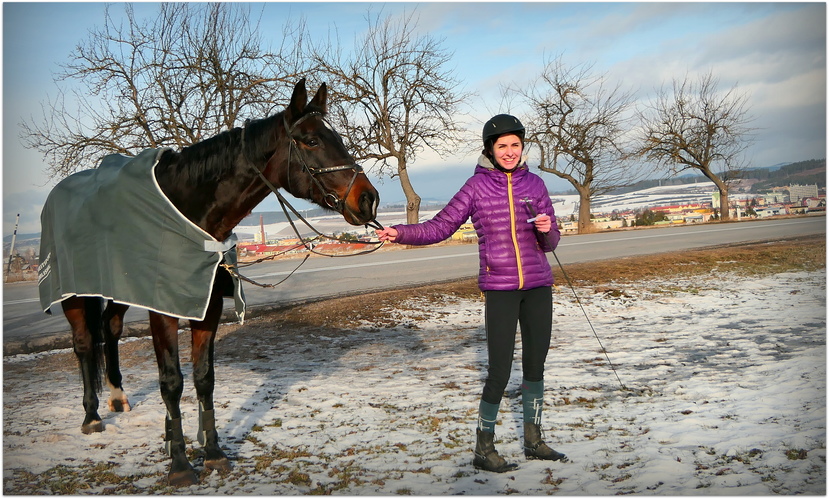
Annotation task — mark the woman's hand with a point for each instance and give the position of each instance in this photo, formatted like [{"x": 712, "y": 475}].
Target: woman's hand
[
  {"x": 543, "y": 223},
  {"x": 387, "y": 234}
]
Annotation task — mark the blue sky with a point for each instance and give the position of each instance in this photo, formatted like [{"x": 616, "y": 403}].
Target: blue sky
[{"x": 775, "y": 52}]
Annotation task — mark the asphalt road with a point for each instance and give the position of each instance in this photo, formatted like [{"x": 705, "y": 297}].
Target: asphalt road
[{"x": 26, "y": 328}]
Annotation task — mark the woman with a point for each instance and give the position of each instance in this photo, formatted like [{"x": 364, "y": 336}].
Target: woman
[{"x": 514, "y": 275}]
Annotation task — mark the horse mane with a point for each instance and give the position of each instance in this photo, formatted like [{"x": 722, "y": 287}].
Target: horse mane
[{"x": 212, "y": 159}]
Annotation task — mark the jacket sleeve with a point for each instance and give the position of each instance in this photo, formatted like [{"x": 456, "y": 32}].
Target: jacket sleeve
[
  {"x": 550, "y": 241},
  {"x": 442, "y": 225}
]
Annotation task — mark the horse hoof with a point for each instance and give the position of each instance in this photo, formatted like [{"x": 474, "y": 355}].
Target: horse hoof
[
  {"x": 119, "y": 405},
  {"x": 183, "y": 478},
  {"x": 92, "y": 427},
  {"x": 220, "y": 465}
]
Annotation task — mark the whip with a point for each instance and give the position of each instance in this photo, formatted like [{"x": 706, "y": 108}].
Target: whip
[{"x": 533, "y": 214}]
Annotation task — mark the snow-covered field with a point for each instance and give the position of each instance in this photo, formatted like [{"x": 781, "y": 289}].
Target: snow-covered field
[
  {"x": 726, "y": 395},
  {"x": 564, "y": 205}
]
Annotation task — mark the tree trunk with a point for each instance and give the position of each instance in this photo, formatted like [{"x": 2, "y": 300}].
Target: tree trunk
[
  {"x": 585, "y": 225},
  {"x": 412, "y": 199},
  {"x": 725, "y": 208}
]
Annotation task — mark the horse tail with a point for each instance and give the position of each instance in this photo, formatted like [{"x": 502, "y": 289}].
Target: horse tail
[{"x": 93, "y": 312}]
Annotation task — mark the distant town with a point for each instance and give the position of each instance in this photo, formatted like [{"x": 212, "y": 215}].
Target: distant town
[
  {"x": 788, "y": 190},
  {"x": 794, "y": 189}
]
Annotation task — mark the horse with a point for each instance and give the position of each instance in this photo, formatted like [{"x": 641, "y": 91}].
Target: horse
[{"x": 215, "y": 184}]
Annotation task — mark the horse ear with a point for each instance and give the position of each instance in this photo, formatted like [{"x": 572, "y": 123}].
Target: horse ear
[
  {"x": 321, "y": 99},
  {"x": 298, "y": 99}
]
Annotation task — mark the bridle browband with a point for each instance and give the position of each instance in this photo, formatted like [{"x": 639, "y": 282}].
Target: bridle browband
[{"x": 338, "y": 204}]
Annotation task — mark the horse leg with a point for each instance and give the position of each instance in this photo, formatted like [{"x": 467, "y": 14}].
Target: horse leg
[
  {"x": 171, "y": 383},
  {"x": 204, "y": 333},
  {"x": 113, "y": 328},
  {"x": 84, "y": 316}
]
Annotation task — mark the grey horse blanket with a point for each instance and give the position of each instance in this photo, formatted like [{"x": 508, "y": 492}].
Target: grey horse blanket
[{"x": 111, "y": 232}]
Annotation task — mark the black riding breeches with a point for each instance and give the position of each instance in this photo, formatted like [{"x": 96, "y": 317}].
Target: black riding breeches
[{"x": 533, "y": 310}]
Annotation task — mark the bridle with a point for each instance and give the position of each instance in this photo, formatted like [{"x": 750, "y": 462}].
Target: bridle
[{"x": 331, "y": 200}]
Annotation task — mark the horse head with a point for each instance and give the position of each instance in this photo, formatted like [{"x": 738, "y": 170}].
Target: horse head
[{"x": 320, "y": 167}]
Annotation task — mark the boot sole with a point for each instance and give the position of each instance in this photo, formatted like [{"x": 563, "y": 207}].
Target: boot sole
[
  {"x": 561, "y": 458},
  {"x": 509, "y": 467}
]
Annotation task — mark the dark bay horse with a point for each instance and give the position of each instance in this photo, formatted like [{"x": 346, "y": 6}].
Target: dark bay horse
[{"x": 215, "y": 184}]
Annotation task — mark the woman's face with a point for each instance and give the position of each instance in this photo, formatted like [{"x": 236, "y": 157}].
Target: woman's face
[{"x": 507, "y": 151}]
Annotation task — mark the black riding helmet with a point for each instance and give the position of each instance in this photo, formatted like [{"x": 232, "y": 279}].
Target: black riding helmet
[{"x": 499, "y": 125}]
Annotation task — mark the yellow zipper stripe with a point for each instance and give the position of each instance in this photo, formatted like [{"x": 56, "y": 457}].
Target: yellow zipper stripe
[{"x": 512, "y": 229}]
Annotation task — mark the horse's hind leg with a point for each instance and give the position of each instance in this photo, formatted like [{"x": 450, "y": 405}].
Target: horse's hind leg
[
  {"x": 113, "y": 322},
  {"x": 84, "y": 316},
  {"x": 171, "y": 383},
  {"x": 204, "y": 333}
]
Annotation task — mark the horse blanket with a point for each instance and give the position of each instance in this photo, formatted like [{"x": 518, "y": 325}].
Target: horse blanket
[{"x": 111, "y": 232}]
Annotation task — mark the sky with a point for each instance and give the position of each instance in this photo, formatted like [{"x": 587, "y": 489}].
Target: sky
[{"x": 774, "y": 52}]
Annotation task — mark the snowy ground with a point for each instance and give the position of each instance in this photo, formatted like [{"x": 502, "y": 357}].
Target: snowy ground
[{"x": 726, "y": 395}]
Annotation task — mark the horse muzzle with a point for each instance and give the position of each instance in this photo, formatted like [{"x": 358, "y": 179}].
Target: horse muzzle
[{"x": 360, "y": 207}]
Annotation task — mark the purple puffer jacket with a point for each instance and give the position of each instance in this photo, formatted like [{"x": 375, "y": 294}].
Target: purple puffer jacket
[{"x": 511, "y": 250}]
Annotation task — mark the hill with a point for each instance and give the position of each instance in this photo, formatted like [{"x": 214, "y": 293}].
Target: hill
[{"x": 808, "y": 172}]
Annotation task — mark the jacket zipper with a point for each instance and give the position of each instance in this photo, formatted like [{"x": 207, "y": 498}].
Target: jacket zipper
[{"x": 514, "y": 234}]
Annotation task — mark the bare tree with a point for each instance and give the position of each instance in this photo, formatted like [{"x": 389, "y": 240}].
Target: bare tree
[
  {"x": 580, "y": 123},
  {"x": 697, "y": 127},
  {"x": 393, "y": 97},
  {"x": 193, "y": 71}
]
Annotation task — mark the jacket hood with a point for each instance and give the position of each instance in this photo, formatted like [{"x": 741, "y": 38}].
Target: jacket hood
[{"x": 484, "y": 162}]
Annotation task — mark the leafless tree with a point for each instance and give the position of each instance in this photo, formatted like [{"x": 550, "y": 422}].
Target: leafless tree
[
  {"x": 393, "y": 97},
  {"x": 189, "y": 73},
  {"x": 580, "y": 122},
  {"x": 694, "y": 126}
]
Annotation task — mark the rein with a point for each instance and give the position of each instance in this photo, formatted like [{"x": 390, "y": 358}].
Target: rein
[{"x": 338, "y": 204}]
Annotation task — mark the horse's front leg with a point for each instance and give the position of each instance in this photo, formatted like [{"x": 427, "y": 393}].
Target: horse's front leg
[
  {"x": 113, "y": 328},
  {"x": 204, "y": 334},
  {"x": 171, "y": 383}
]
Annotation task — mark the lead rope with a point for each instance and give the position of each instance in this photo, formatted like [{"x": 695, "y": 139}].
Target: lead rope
[{"x": 533, "y": 213}]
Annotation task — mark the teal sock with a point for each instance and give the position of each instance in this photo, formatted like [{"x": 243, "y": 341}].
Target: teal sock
[
  {"x": 532, "y": 397},
  {"x": 487, "y": 416}
]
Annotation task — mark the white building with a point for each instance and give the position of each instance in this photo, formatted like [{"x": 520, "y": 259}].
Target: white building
[{"x": 798, "y": 192}]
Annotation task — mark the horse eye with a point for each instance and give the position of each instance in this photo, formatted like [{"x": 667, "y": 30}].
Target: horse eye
[{"x": 313, "y": 143}]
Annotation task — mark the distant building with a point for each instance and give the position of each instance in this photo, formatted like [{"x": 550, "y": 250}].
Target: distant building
[
  {"x": 798, "y": 192},
  {"x": 465, "y": 232},
  {"x": 775, "y": 198},
  {"x": 770, "y": 211}
]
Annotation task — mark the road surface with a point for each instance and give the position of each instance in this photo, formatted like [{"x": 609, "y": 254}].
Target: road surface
[{"x": 27, "y": 328}]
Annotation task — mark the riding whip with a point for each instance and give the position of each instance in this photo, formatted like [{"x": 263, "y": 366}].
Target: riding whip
[{"x": 573, "y": 288}]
